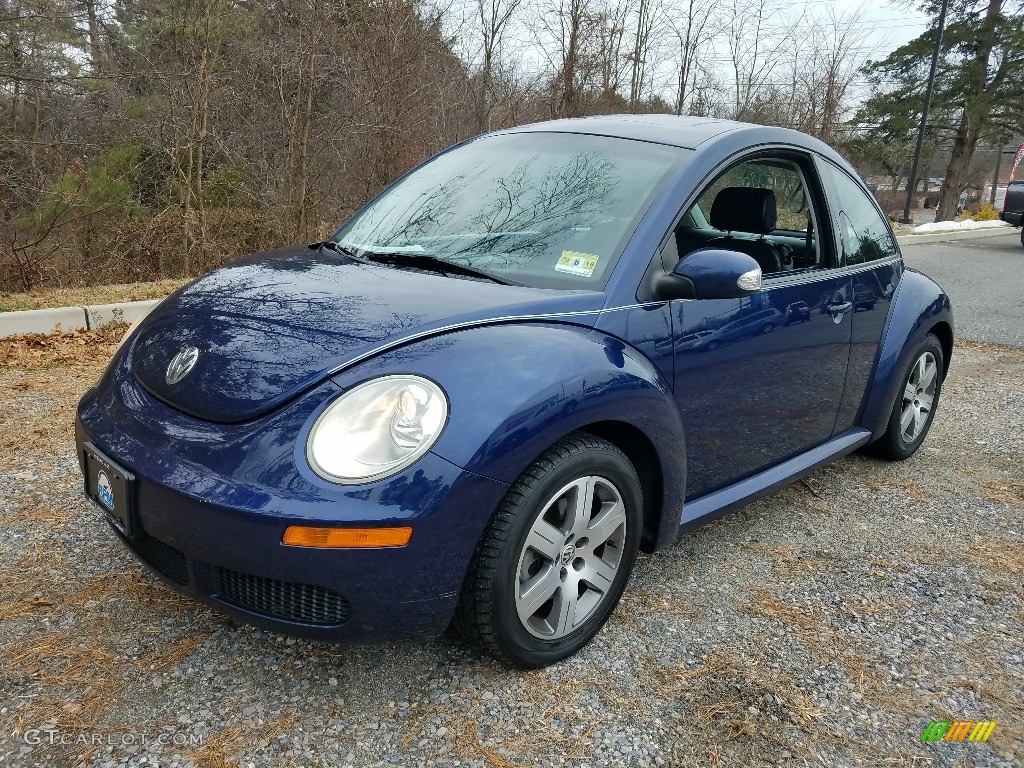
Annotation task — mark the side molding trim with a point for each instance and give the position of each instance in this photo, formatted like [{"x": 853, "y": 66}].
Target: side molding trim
[{"x": 745, "y": 491}]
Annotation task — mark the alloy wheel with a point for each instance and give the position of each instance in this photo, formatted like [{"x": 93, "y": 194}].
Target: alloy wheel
[
  {"x": 918, "y": 396},
  {"x": 570, "y": 558}
]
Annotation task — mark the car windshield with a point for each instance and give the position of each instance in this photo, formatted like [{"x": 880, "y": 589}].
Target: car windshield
[{"x": 548, "y": 210}]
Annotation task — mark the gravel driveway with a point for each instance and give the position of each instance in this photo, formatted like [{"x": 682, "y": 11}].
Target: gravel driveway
[{"x": 823, "y": 625}]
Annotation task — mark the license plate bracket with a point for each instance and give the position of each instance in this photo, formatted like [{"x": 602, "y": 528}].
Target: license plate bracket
[{"x": 111, "y": 487}]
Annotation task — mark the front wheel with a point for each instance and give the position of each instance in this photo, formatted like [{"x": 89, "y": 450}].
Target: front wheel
[
  {"x": 556, "y": 556},
  {"x": 916, "y": 400}
]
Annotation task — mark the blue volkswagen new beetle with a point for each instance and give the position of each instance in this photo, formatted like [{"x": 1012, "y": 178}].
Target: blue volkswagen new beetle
[{"x": 525, "y": 360}]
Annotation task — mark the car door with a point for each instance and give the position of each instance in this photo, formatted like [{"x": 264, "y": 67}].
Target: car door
[
  {"x": 753, "y": 389},
  {"x": 869, "y": 256}
]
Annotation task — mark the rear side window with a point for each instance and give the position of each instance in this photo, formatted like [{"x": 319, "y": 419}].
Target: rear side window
[{"x": 865, "y": 235}]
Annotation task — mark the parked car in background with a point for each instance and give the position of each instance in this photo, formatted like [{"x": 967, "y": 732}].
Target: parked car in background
[
  {"x": 863, "y": 297},
  {"x": 764, "y": 321},
  {"x": 469, "y": 402},
  {"x": 1013, "y": 206},
  {"x": 797, "y": 312}
]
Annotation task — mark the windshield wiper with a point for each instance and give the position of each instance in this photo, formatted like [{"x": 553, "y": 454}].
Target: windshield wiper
[
  {"x": 339, "y": 248},
  {"x": 433, "y": 264}
]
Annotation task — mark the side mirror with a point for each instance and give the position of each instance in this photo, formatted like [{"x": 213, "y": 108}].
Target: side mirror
[{"x": 710, "y": 273}]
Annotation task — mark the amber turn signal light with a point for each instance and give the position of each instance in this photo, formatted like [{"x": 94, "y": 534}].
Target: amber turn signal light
[{"x": 345, "y": 538}]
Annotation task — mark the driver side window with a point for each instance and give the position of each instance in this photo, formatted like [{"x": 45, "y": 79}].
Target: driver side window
[{"x": 760, "y": 207}]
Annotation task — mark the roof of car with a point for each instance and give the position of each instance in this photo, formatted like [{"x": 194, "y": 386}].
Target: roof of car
[{"x": 680, "y": 131}]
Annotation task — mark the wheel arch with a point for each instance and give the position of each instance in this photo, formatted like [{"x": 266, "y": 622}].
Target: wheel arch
[
  {"x": 555, "y": 379},
  {"x": 920, "y": 307},
  {"x": 944, "y": 332},
  {"x": 645, "y": 460}
]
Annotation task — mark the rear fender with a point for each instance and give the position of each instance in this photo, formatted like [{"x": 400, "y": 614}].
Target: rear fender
[{"x": 920, "y": 307}]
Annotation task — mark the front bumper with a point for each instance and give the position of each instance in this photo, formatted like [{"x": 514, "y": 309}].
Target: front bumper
[{"x": 212, "y": 502}]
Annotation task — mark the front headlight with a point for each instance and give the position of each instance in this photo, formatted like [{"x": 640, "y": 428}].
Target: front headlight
[{"x": 377, "y": 429}]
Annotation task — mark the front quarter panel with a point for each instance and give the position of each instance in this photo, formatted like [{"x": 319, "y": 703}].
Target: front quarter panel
[
  {"x": 516, "y": 389},
  {"x": 919, "y": 307}
]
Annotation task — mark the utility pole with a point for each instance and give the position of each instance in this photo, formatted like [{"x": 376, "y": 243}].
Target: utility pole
[
  {"x": 995, "y": 176},
  {"x": 912, "y": 181}
]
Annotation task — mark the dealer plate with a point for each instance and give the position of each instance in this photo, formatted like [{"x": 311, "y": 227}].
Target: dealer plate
[{"x": 110, "y": 486}]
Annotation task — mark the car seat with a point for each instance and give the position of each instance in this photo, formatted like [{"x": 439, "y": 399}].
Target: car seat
[{"x": 748, "y": 210}]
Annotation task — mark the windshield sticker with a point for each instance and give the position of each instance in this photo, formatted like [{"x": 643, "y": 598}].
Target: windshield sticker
[{"x": 577, "y": 263}]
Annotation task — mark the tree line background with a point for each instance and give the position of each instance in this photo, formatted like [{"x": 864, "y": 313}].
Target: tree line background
[{"x": 145, "y": 139}]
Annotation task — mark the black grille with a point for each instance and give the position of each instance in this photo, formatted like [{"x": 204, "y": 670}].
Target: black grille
[
  {"x": 165, "y": 558},
  {"x": 282, "y": 599}
]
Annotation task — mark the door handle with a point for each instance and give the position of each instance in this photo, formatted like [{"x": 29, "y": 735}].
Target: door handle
[{"x": 838, "y": 311}]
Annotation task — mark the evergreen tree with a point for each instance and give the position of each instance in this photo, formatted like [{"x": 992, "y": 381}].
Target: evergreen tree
[{"x": 979, "y": 87}]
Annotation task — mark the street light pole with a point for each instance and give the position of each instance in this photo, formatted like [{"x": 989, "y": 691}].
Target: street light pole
[{"x": 912, "y": 181}]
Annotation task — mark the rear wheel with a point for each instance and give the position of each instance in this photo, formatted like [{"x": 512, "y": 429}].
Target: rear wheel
[
  {"x": 914, "y": 407},
  {"x": 556, "y": 557}
]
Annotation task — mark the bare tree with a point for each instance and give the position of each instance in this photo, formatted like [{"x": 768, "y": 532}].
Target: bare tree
[
  {"x": 493, "y": 17},
  {"x": 836, "y": 47},
  {"x": 564, "y": 28},
  {"x": 693, "y": 29},
  {"x": 645, "y": 15},
  {"x": 755, "y": 50},
  {"x": 610, "y": 32}
]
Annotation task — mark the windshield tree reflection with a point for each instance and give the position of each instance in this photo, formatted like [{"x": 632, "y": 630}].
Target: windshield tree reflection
[{"x": 545, "y": 209}]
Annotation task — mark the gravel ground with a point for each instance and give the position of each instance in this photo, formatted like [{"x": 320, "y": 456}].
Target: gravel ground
[{"x": 823, "y": 625}]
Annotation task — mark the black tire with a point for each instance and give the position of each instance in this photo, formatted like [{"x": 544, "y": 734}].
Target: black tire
[
  {"x": 894, "y": 445},
  {"x": 768, "y": 328},
  {"x": 487, "y": 613},
  {"x": 1022, "y": 236}
]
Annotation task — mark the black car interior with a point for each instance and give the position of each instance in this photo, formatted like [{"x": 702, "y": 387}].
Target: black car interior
[
  {"x": 746, "y": 219},
  {"x": 751, "y": 211}
]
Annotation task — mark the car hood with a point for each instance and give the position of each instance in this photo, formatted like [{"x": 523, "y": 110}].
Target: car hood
[{"x": 271, "y": 326}]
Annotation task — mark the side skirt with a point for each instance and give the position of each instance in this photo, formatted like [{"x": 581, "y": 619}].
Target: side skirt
[{"x": 745, "y": 491}]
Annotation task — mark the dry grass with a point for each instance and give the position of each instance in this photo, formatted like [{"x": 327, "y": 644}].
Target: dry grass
[
  {"x": 788, "y": 561},
  {"x": 219, "y": 750},
  {"x": 77, "y": 679},
  {"x": 638, "y": 606},
  {"x": 896, "y": 487},
  {"x": 1009, "y": 492},
  {"x": 998, "y": 555},
  {"x": 814, "y": 627},
  {"x": 41, "y": 378},
  {"x": 97, "y": 294},
  {"x": 169, "y": 654},
  {"x": 885, "y": 564},
  {"x": 978, "y": 346},
  {"x": 808, "y": 624}
]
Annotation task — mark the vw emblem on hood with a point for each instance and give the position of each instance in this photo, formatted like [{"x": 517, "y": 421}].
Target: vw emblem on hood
[{"x": 181, "y": 364}]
